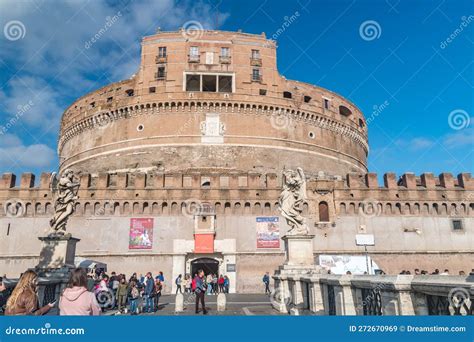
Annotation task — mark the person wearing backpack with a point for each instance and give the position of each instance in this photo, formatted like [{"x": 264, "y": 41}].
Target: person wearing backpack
[
  {"x": 193, "y": 283},
  {"x": 200, "y": 290},
  {"x": 266, "y": 281},
  {"x": 149, "y": 293},
  {"x": 178, "y": 283},
  {"x": 133, "y": 297}
]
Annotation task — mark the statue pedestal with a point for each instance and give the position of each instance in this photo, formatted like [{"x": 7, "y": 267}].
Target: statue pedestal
[
  {"x": 299, "y": 250},
  {"x": 55, "y": 262},
  {"x": 57, "y": 252},
  {"x": 291, "y": 289}
]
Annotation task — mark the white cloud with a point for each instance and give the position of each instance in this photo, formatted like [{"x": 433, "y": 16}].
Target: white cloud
[
  {"x": 460, "y": 138},
  {"x": 15, "y": 155}
]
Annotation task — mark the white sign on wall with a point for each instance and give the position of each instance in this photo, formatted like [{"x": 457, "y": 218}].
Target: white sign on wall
[
  {"x": 365, "y": 239},
  {"x": 212, "y": 129}
]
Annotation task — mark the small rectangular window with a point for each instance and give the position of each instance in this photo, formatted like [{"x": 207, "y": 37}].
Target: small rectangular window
[
  {"x": 256, "y": 75},
  {"x": 193, "y": 83},
  {"x": 152, "y": 90},
  {"x": 209, "y": 83},
  {"x": 194, "y": 51},
  {"x": 161, "y": 74},
  {"x": 129, "y": 92},
  {"x": 255, "y": 54},
  {"x": 225, "y": 52},
  {"x": 92, "y": 104},
  {"x": 263, "y": 92},
  {"x": 225, "y": 84},
  {"x": 162, "y": 51},
  {"x": 326, "y": 103},
  {"x": 457, "y": 225},
  {"x": 109, "y": 99},
  {"x": 287, "y": 95},
  {"x": 307, "y": 99}
]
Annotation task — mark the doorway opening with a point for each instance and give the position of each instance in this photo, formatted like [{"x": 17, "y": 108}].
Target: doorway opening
[{"x": 208, "y": 265}]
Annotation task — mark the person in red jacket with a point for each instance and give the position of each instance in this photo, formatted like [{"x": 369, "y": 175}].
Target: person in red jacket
[{"x": 221, "y": 284}]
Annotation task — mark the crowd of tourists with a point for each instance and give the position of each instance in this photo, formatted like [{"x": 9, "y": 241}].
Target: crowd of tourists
[{"x": 96, "y": 292}]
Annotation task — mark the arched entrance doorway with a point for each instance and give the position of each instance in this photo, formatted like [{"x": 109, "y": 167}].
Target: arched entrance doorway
[{"x": 208, "y": 265}]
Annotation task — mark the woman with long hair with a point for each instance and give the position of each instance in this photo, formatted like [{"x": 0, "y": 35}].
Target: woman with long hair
[
  {"x": 76, "y": 300},
  {"x": 24, "y": 300}
]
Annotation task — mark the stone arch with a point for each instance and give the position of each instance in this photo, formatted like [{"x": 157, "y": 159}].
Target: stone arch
[{"x": 323, "y": 211}]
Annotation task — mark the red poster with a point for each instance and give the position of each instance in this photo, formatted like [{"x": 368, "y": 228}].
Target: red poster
[
  {"x": 141, "y": 233},
  {"x": 204, "y": 243}
]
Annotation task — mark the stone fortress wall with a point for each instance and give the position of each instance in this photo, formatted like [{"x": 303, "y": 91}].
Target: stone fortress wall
[{"x": 411, "y": 216}]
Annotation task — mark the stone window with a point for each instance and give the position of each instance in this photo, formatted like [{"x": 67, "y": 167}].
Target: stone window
[
  {"x": 344, "y": 111},
  {"x": 263, "y": 92},
  {"x": 193, "y": 54},
  {"x": 361, "y": 123},
  {"x": 256, "y": 76},
  {"x": 287, "y": 95},
  {"x": 152, "y": 90},
  {"x": 307, "y": 98},
  {"x": 193, "y": 83},
  {"x": 225, "y": 52},
  {"x": 161, "y": 73},
  {"x": 323, "y": 212},
  {"x": 129, "y": 92},
  {"x": 457, "y": 225},
  {"x": 209, "y": 83},
  {"x": 162, "y": 51},
  {"x": 225, "y": 84},
  {"x": 326, "y": 103},
  {"x": 109, "y": 99},
  {"x": 255, "y": 54},
  {"x": 92, "y": 104}
]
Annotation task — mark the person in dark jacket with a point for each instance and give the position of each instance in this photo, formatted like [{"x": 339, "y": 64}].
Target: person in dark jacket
[
  {"x": 3, "y": 295},
  {"x": 266, "y": 281},
  {"x": 200, "y": 291},
  {"x": 149, "y": 293}
]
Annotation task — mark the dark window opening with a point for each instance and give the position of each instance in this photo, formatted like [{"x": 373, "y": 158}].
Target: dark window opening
[
  {"x": 256, "y": 75},
  {"x": 326, "y": 104},
  {"x": 92, "y": 104},
  {"x": 361, "y": 123},
  {"x": 323, "y": 212},
  {"x": 209, "y": 83},
  {"x": 193, "y": 83},
  {"x": 129, "y": 92},
  {"x": 225, "y": 84},
  {"x": 307, "y": 99},
  {"x": 204, "y": 219},
  {"x": 152, "y": 90},
  {"x": 263, "y": 92},
  {"x": 162, "y": 51},
  {"x": 457, "y": 225},
  {"x": 344, "y": 111},
  {"x": 161, "y": 73},
  {"x": 206, "y": 184},
  {"x": 109, "y": 99},
  {"x": 287, "y": 95}
]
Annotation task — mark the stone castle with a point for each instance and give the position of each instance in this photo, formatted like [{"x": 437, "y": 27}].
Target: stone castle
[{"x": 195, "y": 144}]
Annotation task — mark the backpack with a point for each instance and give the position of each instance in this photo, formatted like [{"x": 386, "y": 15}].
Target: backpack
[
  {"x": 134, "y": 293},
  {"x": 193, "y": 284},
  {"x": 178, "y": 281}
]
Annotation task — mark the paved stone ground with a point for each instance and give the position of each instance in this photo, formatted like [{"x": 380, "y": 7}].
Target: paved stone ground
[{"x": 237, "y": 304}]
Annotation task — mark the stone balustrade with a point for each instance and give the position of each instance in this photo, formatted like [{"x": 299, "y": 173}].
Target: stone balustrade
[{"x": 365, "y": 295}]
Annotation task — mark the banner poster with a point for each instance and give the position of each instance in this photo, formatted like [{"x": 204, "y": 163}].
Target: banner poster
[
  {"x": 141, "y": 233},
  {"x": 268, "y": 232}
]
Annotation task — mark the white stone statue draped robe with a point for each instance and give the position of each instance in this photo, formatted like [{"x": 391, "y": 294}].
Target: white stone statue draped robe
[
  {"x": 292, "y": 199},
  {"x": 66, "y": 190}
]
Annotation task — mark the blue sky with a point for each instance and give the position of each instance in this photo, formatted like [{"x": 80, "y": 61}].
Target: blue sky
[{"x": 408, "y": 65}]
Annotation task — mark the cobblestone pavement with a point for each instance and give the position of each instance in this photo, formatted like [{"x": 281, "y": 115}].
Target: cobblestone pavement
[{"x": 237, "y": 304}]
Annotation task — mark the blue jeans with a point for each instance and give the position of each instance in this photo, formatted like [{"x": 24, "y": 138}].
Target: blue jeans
[
  {"x": 149, "y": 304},
  {"x": 133, "y": 306}
]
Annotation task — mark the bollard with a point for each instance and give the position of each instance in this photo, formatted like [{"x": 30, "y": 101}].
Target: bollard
[
  {"x": 179, "y": 303},
  {"x": 221, "y": 302}
]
